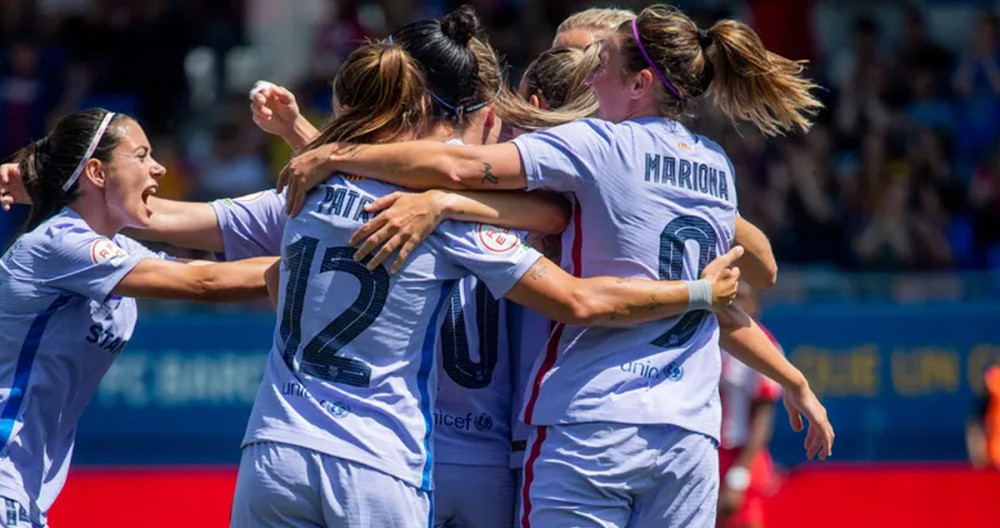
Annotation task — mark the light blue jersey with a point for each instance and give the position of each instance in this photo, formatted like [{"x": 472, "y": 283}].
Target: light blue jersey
[
  {"x": 60, "y": 330},
  {"x": 528, "y": 332},
  {"x": 472, "y": 411},
  {"x": 474, "y": 400},
  {"x": 352, "y": 370},
  {"x": 652, "y": 201},
  {"x": 251, "y": 225}
]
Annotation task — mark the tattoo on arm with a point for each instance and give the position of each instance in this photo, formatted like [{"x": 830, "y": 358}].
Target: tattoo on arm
[
  {"x": 488, "y": 176},
  {"x": 539, "y": 271},
  {"x": 349, "y": 151}
]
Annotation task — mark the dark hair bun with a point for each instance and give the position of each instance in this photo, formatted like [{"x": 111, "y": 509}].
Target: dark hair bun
[{"x": 460, "y": 25}]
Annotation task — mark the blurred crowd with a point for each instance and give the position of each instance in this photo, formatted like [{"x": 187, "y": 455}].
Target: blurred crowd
[{"x": 901, "y": 172}]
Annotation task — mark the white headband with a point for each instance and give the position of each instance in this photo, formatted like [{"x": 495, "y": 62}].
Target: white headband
[{"x": 90, "y": 151}]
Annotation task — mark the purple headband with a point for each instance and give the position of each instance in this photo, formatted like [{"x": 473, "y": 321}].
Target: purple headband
[{"x": 652, "y": 65}]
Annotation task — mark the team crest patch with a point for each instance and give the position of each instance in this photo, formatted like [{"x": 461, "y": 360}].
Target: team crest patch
[
  {"x": 252, "y": 197},
  {"x": 497, "y": 239},
  {"x": 104, "y": 250}
]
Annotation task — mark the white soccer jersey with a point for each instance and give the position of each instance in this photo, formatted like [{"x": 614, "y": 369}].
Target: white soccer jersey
[
  {"x": 529, "y": 331},
  {"x": 473, "y": 407},
  {"x": 61, "y": 330},
  {"x": 352, "y": 369},
  {"x": 251, "y": 225},
  {"x": 653, "y": 201}
]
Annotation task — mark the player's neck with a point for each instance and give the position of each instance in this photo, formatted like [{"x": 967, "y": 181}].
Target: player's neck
[
  {"x": 645, "y": 107},
  {"x": 96, "y": 217},
  {"x": 440, "y": 132}
]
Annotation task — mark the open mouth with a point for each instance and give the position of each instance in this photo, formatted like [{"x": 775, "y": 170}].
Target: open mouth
[{"x": 150, "y": 191}]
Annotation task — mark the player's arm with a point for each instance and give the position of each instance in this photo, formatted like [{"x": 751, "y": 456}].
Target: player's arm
[
  {"x": 743, "y": 338},
  {"x": 611, "y": 301},
  {"x": 272, "y": 279},
  {"x": 413, "y": 164},
  {"x": 276, "y": 112},
  {"x": 758, "y": 265},
  {"x": 405, "y": 220},
  {"x": 197, "y": 281},
  {"x": 191, "y": 225}
]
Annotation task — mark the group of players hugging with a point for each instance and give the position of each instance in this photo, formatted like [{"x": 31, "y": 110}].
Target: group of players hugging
[{"x": 431, "y": 366}]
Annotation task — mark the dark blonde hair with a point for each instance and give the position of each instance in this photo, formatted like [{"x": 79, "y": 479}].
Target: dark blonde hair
[
  {"x": 596, "y": 19},
  {"x": 508, "y": 104},
  {"x": 728, "y": 62},
  {"x": 381, "y": 92},
  {"x": 558, "y": 76}
]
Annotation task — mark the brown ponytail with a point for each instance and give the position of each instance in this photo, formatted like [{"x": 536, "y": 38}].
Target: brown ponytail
[
  {"x": 755, "y": 85},
  {"x": 728, "y": 62},
  {"x": 381, "y": 92}
]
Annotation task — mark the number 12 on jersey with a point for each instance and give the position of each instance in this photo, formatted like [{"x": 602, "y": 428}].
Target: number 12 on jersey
[{"x": 319, "y": 358}]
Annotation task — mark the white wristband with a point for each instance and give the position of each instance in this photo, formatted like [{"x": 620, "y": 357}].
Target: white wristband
[
  {"x": 699, "y": 294},
  {"x": 738, "y": 478}
]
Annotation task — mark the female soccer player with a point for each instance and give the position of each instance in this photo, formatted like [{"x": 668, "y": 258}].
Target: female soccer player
[
  {"x": 343, "y": 417},
  {"x": 68, "y": 288},
  {"x": 646, "y": 189}
]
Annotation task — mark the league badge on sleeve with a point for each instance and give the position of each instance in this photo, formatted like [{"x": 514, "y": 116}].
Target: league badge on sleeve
[
  {"x": 104, "y": 250},
  {"x": 497, "y": 239}
]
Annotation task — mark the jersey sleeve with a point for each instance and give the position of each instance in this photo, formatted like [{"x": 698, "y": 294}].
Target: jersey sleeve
[
  {"x": 566, "y": 157},
  {"x": 497, "y": 256},
  {"x": 133, "y": 247},
  {"x": 251, "y": 225},
  {"x": 83, "y": 262}
]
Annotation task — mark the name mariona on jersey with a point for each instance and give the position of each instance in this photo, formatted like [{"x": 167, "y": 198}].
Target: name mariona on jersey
[{"x": 691, "y": 175}]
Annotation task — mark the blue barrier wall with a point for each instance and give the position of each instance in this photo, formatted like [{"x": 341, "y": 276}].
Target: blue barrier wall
[
  {"x": 181, "y": 392},
  {"x": 899, "y": 382}
]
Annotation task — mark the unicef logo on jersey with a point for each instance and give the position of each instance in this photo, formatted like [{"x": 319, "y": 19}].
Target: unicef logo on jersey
[
  {"x": 671, "y": 372},
  {"x": 336, "y": 409},
  {"x": 484, "y": 423}
]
